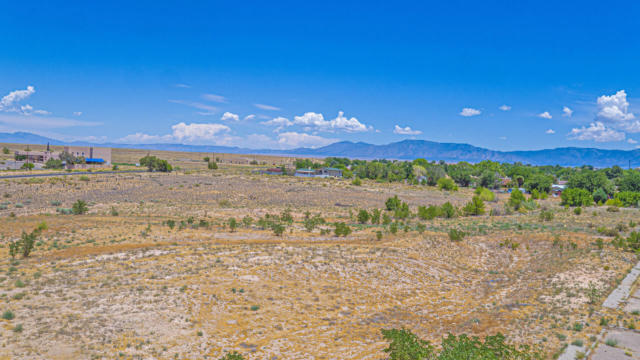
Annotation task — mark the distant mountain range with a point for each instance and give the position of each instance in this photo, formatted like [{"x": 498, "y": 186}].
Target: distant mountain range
[{"x": 402, "y": 150}]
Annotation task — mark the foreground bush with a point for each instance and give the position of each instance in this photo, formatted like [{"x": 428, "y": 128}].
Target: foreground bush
[
  {"x": 404, "y": 345},
  {"x": 447, "y": 184}
]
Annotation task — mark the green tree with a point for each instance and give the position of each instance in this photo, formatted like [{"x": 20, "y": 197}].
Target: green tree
[
  {"x": 474, "y": 207},
  {"x": 629, "y": 181},
  {"x": 79, "y": 207},
  {"x": 540, "y": 182},
  {"x": 53, "y": 164},
  {"x": 576, "y": 197},
  {"x": 27, "y": 166},
  {"x": 516, "y": 199},
  {"x": 600, "y": 196},
  {"x": 404, "y": 345},
  {"x": 363, "y": 216},
  {"x": 233, "y": 224}
]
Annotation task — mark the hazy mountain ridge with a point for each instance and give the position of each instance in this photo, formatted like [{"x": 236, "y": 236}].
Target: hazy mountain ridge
[{"x": 402, "y": 150}]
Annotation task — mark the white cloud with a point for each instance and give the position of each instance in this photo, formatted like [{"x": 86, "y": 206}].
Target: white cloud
[
  {"x": 214, "y": 98},
  {"x": 550, "y": 132},
  {"x": 596, "y": 131},
  {"x": 26, "y": 122},
  {"x": 505, "y": 107},
  {"x": 227, "y": 116},
  {"x": 266, "y": 107},
  {"x": 631, "y": 141},
  {"x": 77, "y": 113},
  {"x": 209, "y": 110},
  {"x": 545, "y": 115},
  {"x": 615, "y": 107},
  {"x": 470, "y": 112},
  {"x": 405, "y": 131},
  {"x": 9, "y": 102},
  {"x": 15, "y": 96},
  {"x": 280, "y": 123},
  {"x": 184, "y": 86},
  {"x": 566, "y": 111},
  {"x": 502, "y": 138},
  {"x": 316, "y": 121},
  {"x": 197, "y": 132},
  {"x": 614, "y": 111},
  {"x": 249, "y": 117},
  {"x": 294, "y": 140}
]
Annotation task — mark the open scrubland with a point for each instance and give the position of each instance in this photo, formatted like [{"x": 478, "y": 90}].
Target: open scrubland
[{"x": 197, "y": 263}]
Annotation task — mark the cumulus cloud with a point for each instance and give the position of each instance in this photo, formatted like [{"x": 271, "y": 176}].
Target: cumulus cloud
[
  {"x": 566, "y": 111},
  {"x": 227, "y": 116},
  {"x": 405, "y": 131},
  {"x": 280, "y": 123},
  {"x": 196, "y": 133},
  {"x": 596, "y": 131},
  {"x": 545, "y": 115},
  {"x": 249, "y": 117},
  {"x": 614, "y": 111},
  {"x": 316, "y": 121},
  {"x": 612, "y": 121},
  {"x": 631, "y": 141},
  {"x": 266, "y": 107},
  {"x": 214, "y": 98},
  {"x": 505, "y": 107},
  {"x": 470, "y": 112},
  {"x": 294, "y": 140},
  {"x": 550, "y": 132},
  {"x": 77, "y": 113}
]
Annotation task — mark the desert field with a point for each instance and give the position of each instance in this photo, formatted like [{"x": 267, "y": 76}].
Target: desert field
[{"x": 157, "y": 269}]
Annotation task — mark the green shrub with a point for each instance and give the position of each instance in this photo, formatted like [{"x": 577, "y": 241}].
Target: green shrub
[
  {"x": 8, "y": 315},
  {"x": 356, "y": 181},
  {"x": 393, "y": 203},
  {"x": 404, "y": 345},
  {"x": 474, "y": 207},
  {"x": 375, "y": 216},
  {"x": 516, "y": 199},
  {"x": 448, "y": 211},
  {"x": 614, "y": 202},
  {"x": 428, "y": 213},
  {"x": 363, "y": 216},
  {"x": 576, "y": 197},
  {"x": 485, "y": 194},
  {"x": 233, "y": 224},
  {"x": 393, "y": 228},
  {"x": 212, "y": 165},
  {"x": 628, "y": 198},
  {"x": 456, "y": 235},
  {"x": 341, "y": 229},
  {"x": 232, "y": 356},
  {"x": 447, "y": 184},
  {"x": 546, "y": 215},
  {"x": 79, "y": 207},
  {"x": 577, "y": 210}
]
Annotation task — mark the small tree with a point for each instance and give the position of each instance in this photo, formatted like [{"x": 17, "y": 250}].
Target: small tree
[
  {"x": 233, "y": 224},
  {"x": 5, "y": 150},
  {"x": 27, "y": 166},
  {"x": 212, "y": 165},
  {"x": 206, "y": 159},
  {"x": 363, "y": 216},
  {"x": 79, "y": 207},
  {"x": 475, "y": 206}
]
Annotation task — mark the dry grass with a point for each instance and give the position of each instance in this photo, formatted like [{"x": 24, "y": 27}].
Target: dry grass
[{"x": 100, "y": 285}]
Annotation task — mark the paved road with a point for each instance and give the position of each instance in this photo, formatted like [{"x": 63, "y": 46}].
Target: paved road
[{"x": 70, "y": 173}]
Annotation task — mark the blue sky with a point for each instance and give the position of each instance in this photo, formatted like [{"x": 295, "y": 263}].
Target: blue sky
[{"x": 289, "y": 74}]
